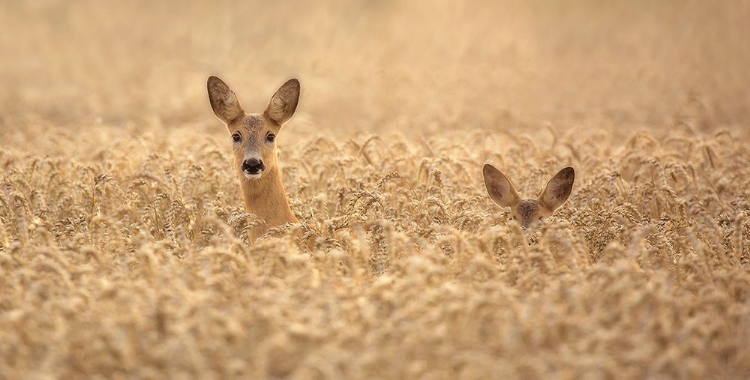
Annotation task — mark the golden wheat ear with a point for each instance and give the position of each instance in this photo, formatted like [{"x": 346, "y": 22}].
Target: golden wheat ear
[
  {"x": 499, "y": 187},
  {"x": 223, "y": 100},
  {"x": 558, "y": 189},
  {"x": 284, "y": 102}
]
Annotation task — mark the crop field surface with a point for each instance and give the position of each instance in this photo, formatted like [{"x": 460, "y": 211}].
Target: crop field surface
[{"x": 124, "y": 248}]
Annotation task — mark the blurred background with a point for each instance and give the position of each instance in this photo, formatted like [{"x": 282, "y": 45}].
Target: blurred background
[{"x": 411, "y": 67}]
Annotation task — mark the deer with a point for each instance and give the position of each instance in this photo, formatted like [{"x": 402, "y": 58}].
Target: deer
[
  {"x": 528, "y": 211},
  {"x": 255, "y": 155}
]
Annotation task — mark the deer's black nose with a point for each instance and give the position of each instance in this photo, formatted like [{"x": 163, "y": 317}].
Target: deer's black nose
[{"x": 253, "y": 166}]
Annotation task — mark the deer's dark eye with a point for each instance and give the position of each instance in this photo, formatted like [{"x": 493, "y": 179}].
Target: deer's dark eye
[
  {"x": 236, "y": 137},
  {"x": 270, "y": 137}
]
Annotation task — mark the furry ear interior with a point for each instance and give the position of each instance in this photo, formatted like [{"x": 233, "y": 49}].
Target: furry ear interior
[
  {"x": 499, "y": 187},
  {"x": 284, "y": 102},
  {"x": 558, "y": 189},
  {"x": 223, "y": 100}
]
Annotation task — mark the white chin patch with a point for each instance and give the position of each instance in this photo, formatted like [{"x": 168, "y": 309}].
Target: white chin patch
[{"x": 253, "y": 176}]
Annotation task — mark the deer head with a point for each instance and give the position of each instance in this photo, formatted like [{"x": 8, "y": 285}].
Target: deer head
[
  {"x": 527, "y": 211},
  {"x": 253, "y": 135}
]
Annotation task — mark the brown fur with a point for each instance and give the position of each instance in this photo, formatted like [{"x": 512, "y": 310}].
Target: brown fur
[
  {"x": 527, "y": 211},
  {"x": 264, "y": 196}
]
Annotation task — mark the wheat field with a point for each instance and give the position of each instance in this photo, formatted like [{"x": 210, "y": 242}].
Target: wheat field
[{"x": 123, "y": 238}]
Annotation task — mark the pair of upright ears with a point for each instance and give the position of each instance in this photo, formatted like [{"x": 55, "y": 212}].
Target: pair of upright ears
[
  {"x": 227, "y": 107},
  {"x": 503, "y": 193}
]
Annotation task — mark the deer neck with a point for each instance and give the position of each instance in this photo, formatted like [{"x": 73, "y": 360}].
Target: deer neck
[{"x": 266, "y": 198}]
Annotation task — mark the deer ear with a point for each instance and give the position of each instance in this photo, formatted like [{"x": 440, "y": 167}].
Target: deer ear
[
  {"x": 499, "y": 188},
  {"x": 223, "y": 100},
  {"x": 284, "y": 102},
  {"x": 558, "y": 189}
]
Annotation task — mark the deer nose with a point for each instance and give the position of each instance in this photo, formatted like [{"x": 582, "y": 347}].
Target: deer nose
[{"x": 253, "y": 165}]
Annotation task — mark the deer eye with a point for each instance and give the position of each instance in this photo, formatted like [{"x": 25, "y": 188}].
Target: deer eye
[
  {"x": 236, "y": 137},
  {"x": 270, "y": 137}
]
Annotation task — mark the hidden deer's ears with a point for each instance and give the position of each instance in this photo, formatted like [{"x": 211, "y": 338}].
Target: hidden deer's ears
[
  {"x": 499, "y": 187},
  {"x": 223, "y": 100},
  {"x": 284, "y": 102},
  {"x": 558, "y": 189}
]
